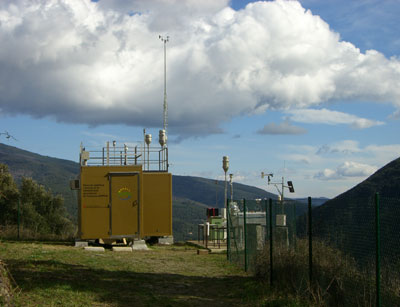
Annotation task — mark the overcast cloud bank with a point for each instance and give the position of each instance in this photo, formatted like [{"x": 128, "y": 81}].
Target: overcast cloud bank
[{"x": 102, "y": 63}]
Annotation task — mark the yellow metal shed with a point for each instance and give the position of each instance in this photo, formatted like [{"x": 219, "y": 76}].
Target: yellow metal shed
[{"x": 124, "y": 201}]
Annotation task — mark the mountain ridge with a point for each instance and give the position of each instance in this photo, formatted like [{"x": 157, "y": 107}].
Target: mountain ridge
[{"x": 191, "y": 195}]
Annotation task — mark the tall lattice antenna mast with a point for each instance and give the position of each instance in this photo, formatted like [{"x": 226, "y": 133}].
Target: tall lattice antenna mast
[{"x": 165, "y": 107}]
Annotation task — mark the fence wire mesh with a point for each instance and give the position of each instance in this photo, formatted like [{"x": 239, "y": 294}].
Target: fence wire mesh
[
  {"x": 390, "y": 250},
  {"x": 343, "y": 254},
  {"x": 346, "y": 235}
]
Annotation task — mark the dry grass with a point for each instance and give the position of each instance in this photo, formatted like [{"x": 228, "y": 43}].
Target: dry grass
[
  {"x": 337, "y": 279},
  {"x": 8, "y": 287},
  {"x": 11, "y": 232}
]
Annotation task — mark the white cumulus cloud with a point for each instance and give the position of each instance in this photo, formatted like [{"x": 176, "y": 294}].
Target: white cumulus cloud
[
  {"x": 346, "y": 169},
  {"x": 329, "y": 117},
  {"x": 102, "y": 62}
]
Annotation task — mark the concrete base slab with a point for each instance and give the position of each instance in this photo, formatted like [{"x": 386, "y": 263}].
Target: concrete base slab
[
  {"x": 203, "y": 252},
  {"x": 94, "y": 248},
  {"x": 139, "y": 245},
  {"x": 122, "y": 249},
  {"x": 81, "y": 243},
  {"x": 166, "y": 240}
]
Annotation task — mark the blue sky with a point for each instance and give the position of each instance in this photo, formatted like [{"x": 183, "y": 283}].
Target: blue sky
[{"x": 307, "y": 90}]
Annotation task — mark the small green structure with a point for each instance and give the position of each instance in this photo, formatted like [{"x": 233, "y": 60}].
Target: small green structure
[{"x": 216, "y": 227}]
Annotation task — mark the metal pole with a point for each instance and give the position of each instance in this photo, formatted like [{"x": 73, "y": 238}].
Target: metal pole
[
  {"x": 108, "y": 153},
  {"x": 228, "y": 240},
  {"x": 165, "y": 114},
  {"x": 378, "y": 252},
  {"x": 310, "y": 260},
  {"x": 270, "y": 245},
  {"x": 282, "y": 197},
  {"x": 166, "y": 152},
  {"x": 245, "y": 235},
  {"x": 266, "y": 221},
  {"x": 216, "y": 193},
  {"x": 226, "y": 190},
  {"x": 165, "y": 85},
  {"x": 136, "y": 155},
  {"x": 294, "y": 237},
  {"x": 19, "y": 205},
  {"x": 231, "y": 184},
  {"x": 148, "y": 157}
]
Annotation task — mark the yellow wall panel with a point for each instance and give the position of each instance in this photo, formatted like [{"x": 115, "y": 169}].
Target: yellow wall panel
[
  {"x": 94, "y": 211},
  {"x": 138, "y": 201},
  {"x": 157, "y": 211}
]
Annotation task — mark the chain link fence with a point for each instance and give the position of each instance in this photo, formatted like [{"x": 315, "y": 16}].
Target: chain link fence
[
  {"x": 342, "y": 254},
  {"x": 390, "y": 251}
]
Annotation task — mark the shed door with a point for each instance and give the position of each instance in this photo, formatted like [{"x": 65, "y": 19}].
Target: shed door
[{"x": 124, "y": 208}]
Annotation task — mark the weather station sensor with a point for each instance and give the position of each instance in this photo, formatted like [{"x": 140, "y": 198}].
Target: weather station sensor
[{"x": 280, "y": 186}]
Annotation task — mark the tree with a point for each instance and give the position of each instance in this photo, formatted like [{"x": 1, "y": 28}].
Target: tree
[
  {"x": 40, "y": 211},
  {"x": 8, "y": 197}
]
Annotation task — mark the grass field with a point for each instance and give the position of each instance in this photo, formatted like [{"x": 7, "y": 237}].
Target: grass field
[{"x": 58, "y": 274}]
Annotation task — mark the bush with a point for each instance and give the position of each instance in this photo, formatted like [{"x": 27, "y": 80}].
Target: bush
[
  {"x": 42, "y": 215},
  {"x": 337, "y": 280}
]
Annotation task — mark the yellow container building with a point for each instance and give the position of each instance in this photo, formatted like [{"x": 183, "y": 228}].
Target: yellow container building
[{"x": 124, "y": 194}]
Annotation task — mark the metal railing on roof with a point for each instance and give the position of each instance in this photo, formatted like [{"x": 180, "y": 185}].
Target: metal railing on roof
[{"x": 153, "y": 159}]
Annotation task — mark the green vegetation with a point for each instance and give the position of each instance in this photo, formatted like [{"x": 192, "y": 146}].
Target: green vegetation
[
  {"x": 39, "y": 213},
  {"x": 187, "y": 215},
  {"x": 52, "y": 173},
  {"x": 337, "y": 279},
  {"x": 58, "y": 274}
]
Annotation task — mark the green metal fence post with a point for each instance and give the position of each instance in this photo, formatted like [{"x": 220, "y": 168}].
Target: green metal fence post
[
  {"x": 294, "y": 233},
  {"x": 228, "y": 250},
  {"x": 245, "y": 234},
  {"x": 310, "y": 260},
  {"x": 378, "y": 252},
  {"x": 19, "y": 205},
  {"x": 271, "y": 267},
  {"x": 266, "y": 221}
]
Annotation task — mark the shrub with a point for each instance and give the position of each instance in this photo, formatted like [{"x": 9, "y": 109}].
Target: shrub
[{"x": 337, "y": 279}]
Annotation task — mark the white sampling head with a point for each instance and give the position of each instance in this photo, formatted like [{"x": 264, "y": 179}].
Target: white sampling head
[
  {"x": 148, "y": 139},
  {"x": 225, "y": 163},
  {"x": 162, "y": 137}
]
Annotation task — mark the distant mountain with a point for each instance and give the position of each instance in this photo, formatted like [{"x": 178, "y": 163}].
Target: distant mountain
[
  {"x": 385, "y": 181},
  {"x": 212, "y": 192},
  {"x": 348, "y": 220},
  {"x": 316, "y": 201},
  {"x": 191, "y": 195}
]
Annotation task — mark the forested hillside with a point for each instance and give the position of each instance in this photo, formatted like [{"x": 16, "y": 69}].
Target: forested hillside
[
  {"x": 348, "y": 220},
  {"x": 191, "y": 195},
  {"x": 53, "y": 173},
  {"x": 30, "y": 210}
]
